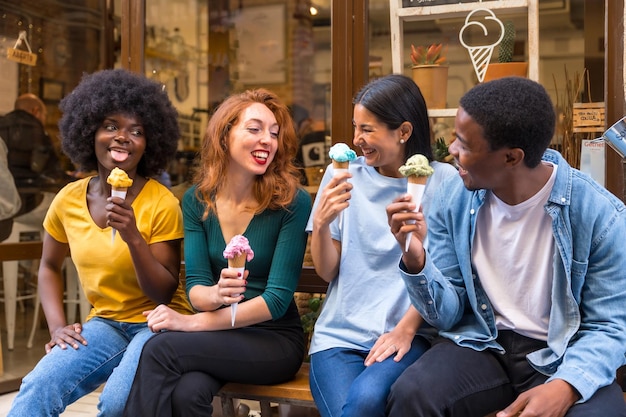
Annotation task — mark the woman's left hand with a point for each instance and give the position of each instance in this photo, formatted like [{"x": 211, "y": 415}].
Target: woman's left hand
[
  {"x": 395, "y": 342},
  {"x": 163, "y": 318}
]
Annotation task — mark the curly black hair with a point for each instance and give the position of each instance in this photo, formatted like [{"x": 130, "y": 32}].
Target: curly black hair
[
  {"x": 514, "y": 112},
  {"x": 106, "y": 92}
]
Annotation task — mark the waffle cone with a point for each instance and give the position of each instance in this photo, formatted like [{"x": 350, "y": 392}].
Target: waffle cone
[
  {"x": 414, "y": 179},
  {"x": 238, "y": 261},
  {"x": 340, "y": 165}
]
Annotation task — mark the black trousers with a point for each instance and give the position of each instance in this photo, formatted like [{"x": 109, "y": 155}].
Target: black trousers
[
  {"x": 179, "y": 373},
  {"x": 453, "y": 381}
]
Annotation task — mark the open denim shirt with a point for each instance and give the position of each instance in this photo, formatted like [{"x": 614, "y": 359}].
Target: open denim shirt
[{"x": 587, "y": 326}]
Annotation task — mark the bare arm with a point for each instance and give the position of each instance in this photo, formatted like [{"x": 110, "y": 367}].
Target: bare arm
[
  {"x": 156, "y": 265},
  {"x": 50, "y": 287},
  {"x": 325, "y": 251},
  {"x": 251, "y": 312}
]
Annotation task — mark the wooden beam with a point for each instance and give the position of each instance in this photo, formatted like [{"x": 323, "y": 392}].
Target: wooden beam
[
  {"x": 19, "y": 251},
  {"x": 133, "y": 28},
  {"x": 350, "y": 63},
  {"x": 614, "y": 89}
]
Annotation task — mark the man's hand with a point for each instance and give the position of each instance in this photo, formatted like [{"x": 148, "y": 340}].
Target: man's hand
[
  {"x": 551, "y": 399},
  {"x": 402, "y": 221}
]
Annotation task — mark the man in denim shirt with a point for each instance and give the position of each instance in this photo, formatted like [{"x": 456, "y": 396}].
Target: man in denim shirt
[{"x": 524, "y": 276}]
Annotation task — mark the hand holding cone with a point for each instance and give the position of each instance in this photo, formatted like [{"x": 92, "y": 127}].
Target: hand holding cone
[
  {"x": 238, "y": 251},
  {"x": 120, "y": 182},
  {"x": 417, "y": 170},
  {"x": 341, "y": 155}
]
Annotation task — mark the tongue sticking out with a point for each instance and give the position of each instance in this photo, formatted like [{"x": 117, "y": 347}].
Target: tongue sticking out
[{"x": 119, "y": 156}]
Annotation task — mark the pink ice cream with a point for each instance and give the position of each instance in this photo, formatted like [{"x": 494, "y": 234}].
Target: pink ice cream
[
  {"x": 238, "y": 246},
  {"x": 237, "y": 252}
]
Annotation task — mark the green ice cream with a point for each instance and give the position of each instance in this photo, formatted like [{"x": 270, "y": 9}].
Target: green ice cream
[{"x": 416, "y": 165}]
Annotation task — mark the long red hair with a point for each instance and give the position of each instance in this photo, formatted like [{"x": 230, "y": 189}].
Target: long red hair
[{"x": 277, "y": 187}]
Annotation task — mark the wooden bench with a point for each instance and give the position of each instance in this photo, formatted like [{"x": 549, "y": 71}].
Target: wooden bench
[{"x": 294, "y": 392}]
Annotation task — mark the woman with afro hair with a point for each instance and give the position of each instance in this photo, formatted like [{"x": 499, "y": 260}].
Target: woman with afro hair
[{"x": 113, "y": 118}]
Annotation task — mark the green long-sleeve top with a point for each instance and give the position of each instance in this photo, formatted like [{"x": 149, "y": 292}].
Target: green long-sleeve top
[{"x": 277, "y": 237}]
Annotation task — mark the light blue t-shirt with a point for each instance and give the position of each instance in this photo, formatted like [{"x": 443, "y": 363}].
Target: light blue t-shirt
[{"x": 368, "y": 297}]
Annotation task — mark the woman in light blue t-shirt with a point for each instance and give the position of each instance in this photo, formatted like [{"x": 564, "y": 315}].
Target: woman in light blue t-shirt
[{"x": 367, "y": 332}]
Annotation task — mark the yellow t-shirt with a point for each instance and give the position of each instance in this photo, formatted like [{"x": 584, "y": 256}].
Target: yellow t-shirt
[{"x": 105, "y": 268}]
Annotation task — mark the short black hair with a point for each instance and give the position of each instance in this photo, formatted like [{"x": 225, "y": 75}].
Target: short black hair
[
  {"x": 106, "y": 92},
  {"x": 395, "y": 99},
  {"x": 514, "y": 112}
]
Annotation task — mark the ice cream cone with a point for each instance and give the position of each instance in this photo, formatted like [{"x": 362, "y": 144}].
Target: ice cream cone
[
  {"x": 415, "y": 186},
  {"x": 120, "y": 181},
  {"x": 238, "y": 261},
  {"x": 341, "y": 165},
  {"x": 414, "y": 179},
  {"x": 237, "y": 252},
  {"x": 341, "y": 155},
  {"x": 121, "y": 193},
  {"x": 417, "y": 169}
]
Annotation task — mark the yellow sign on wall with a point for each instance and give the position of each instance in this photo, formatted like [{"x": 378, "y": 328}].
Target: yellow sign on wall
[
  {"x": 588, "y": 117},
  {"x": 18, "y": 55},
  {"x": 22, "y": 57}
]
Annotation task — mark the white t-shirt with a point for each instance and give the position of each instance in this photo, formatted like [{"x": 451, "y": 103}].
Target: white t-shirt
[{"x": 513, "y": 254}]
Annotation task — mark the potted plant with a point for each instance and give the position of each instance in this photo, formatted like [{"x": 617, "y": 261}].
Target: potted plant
[
  {"x": 505, "y": 67},
  {"x": 309, "y": 318},
  {"x": 440, "y": 151},
  {"x": 430, "y": 75}
]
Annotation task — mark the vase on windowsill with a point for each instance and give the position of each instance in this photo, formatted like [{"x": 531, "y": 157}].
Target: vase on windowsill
[
  {"x": 433, "y": 83},
  {"x": 430, "y": 75}
]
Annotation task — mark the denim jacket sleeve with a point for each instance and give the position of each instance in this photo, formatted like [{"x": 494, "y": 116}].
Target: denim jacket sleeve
[{"x": 439, "y": 292}]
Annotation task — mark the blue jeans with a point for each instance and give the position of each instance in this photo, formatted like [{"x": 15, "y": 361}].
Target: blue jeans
[
  {"x": 63, "y": 376},
  {"x": 343, "y": 386}
]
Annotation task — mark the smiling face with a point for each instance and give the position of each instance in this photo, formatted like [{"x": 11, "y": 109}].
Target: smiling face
[
  {"x": 120, "y": 142},
  {"x": 479, "y": 166},
  {"x": 253, "y": 141},
  {"x": 380, "y": 146}
]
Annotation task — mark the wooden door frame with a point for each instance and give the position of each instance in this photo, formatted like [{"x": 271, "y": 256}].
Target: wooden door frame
[
  {"x": 614, "y": 89},
  {"x": 350, "y": 63}
]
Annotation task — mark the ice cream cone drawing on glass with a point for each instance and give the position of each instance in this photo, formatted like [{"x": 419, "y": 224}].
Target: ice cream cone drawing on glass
[
  {"x": 237, "y": 252},
  {"x": 417, "y": 169},
  {"x": 477, "y": 36},
  {"x": 120, "y": 183}
]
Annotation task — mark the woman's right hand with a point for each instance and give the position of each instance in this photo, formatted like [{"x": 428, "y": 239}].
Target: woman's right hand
[
  {"x": 334, "y": 199},
  {"x": 67, "y": 335},
  {"x": 231, "y": 286}
]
